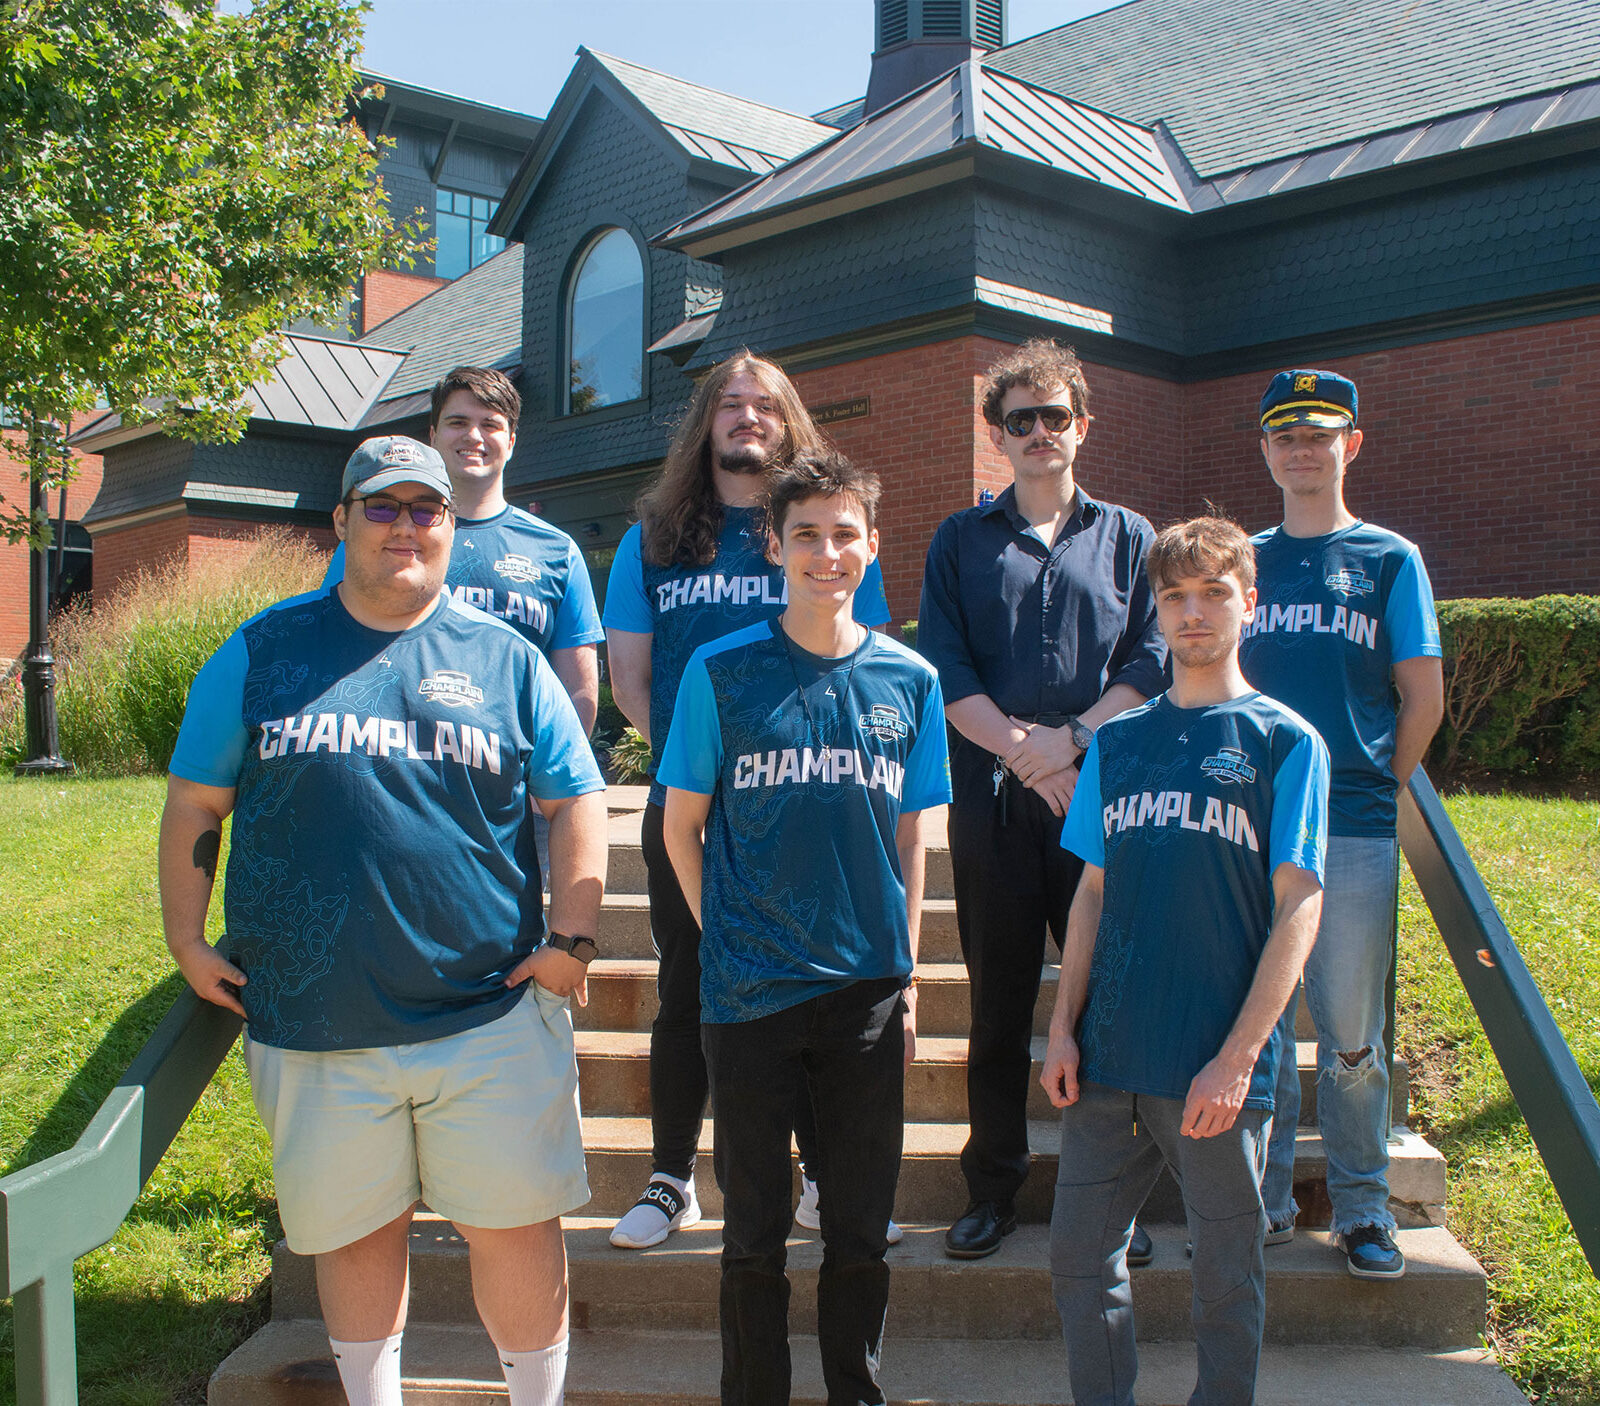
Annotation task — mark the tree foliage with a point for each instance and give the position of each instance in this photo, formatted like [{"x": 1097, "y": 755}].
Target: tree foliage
[{"x": 177, "y": 184}]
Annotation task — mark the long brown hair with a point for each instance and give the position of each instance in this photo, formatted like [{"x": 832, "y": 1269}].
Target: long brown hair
[{"x": 680, "y": 515}]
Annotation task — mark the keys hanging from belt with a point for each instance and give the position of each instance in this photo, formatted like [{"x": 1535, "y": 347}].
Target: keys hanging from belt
[{"x": 1000, "y": 785}]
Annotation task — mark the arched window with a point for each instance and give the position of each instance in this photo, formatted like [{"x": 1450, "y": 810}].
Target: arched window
[{"x": 605, "y": 325}]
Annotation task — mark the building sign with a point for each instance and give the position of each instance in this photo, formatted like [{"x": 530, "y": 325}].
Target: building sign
[{"x": 855, "y": 409}]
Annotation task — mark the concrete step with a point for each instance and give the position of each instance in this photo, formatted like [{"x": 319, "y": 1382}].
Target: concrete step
[
  {"x": 1311, "y": 1297},
  {"x": 931, "y": 1188},
  {"x": 614, "y": 1077},
  {"x": 625, "y": 928},
  {"x": 625, "y": 871},
  {"x": 287, "y": 1364},
  {"x": 622, "y": 996}
]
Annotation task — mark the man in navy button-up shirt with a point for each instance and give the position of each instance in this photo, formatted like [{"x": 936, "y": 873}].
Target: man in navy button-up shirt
[{"x": 1038, "y": 616}]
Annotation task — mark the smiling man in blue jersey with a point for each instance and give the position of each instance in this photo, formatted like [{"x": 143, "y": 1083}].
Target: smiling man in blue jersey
[
  {"x": 1345, "y": 621},
  {"x": 1200, "y": 819},
  {"x": 693, "y": 568},
  {"x": 802, "y": 753},
  {"x": 517, "y": 567},
  {"x": 379, "y": 746}
]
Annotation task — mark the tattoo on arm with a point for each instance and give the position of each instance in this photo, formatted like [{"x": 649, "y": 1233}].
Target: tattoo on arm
[{"x": 206, "y": 849}]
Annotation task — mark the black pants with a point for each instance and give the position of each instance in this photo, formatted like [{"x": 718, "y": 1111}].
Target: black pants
[
  {"x": 844, "y": 1054},
  {"x": 677, "y": 1064},
  {"x": 1013, "y": 882}
]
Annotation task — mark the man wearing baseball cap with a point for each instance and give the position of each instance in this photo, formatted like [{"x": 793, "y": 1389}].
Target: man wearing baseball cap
[
  {"x": 1343, "y": 623},
  {"x": 379, "y": 746}
]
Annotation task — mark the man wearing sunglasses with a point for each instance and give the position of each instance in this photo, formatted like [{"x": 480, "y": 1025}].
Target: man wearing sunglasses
[
  {"x": 518, "y": 567},
  {"x": 380, "y": 746},
  {"x": 1038, "y": 615},
  {"x": 1345, "y": 622}
]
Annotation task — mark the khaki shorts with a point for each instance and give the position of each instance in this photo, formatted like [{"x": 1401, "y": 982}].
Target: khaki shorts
[{"x": 482, "y": 1125}]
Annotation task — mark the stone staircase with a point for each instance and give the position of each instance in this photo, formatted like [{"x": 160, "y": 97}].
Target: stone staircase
[{"x": 644, "y": 1323}]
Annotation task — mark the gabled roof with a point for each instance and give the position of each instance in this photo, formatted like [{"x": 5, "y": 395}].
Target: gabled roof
[
  {"x": 474, "y": 321},
  {"x": 321, "y": 383},
  {"x": 731, "y": 134},
  {"x": 1243, "y": 82},
  {"x": 899, "y": 149}
]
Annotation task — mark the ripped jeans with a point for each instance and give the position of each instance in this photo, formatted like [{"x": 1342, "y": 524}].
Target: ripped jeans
[{"x": 1346, "y": 980}]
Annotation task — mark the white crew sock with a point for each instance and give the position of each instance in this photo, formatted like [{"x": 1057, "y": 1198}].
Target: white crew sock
[
  {"x": 537, "y": 1378},
  {"x": 370, "y": 1371}
]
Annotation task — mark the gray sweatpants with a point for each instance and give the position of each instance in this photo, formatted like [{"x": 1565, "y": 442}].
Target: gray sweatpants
[{"x": 1113, "y": 1145}]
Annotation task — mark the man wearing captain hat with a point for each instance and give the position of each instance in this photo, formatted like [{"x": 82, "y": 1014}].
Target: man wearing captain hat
[
  {"x": 380, "y": 746},
  {"x": 1344, "y": 621}
]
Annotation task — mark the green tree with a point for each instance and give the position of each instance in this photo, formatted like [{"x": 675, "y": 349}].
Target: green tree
[{"x": 177, "y": 184}]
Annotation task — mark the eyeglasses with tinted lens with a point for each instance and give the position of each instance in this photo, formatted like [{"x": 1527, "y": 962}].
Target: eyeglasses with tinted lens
[
  {"x": 425, "y": 512},
  {"x": 1056, "y": 418}
]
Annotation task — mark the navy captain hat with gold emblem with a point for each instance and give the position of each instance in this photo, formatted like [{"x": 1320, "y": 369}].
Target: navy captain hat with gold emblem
[{"x": 1321, "y": 398}]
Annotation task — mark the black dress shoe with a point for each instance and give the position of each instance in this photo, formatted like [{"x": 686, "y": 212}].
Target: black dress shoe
[
  {"x": 1140, "y": 1249},
  {"x": 983, "y": 1225}
]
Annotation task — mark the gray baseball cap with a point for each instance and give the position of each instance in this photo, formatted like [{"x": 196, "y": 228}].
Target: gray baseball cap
[{"x": 385, "y": 460}]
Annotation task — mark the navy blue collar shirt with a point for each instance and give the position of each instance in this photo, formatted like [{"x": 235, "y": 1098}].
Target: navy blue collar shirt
[{"x": 1043, "y": 631}]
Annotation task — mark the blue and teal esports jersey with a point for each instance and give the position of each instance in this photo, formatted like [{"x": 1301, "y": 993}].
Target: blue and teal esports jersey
[
  {"x": 684, "y": 607},
  {"x": 520, "y": 569},
  {"x": 810, "y": 763},
  {"x": 1189, "y": 811},
  {"x": 1334, "y": 614},
  {"x": 381, "y": 879}
]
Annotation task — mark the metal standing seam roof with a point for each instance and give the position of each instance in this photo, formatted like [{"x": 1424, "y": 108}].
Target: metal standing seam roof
[
  {"x": 714, "y": 126},
  {"x": 969, "y": 106},
  {"x": 1240, "y": 83}
]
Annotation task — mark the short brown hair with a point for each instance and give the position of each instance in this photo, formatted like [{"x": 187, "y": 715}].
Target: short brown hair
[
  {"x": 1203, "y": 546},
  {"x": 487, "y": 386},
  {"x": 1041, "y": 364},
  {"x": 825, "y": 473}
]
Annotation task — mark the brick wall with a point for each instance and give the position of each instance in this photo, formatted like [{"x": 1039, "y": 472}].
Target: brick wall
[
  {"x": 1477, "y": 448},
  {"x": 14, "y": 558},
  {"x": 227, "y": 539},
  {"x": 386, "y": 292},
  {"x": 120, "y": 551}
]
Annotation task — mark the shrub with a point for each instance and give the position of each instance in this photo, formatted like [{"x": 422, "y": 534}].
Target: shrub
[
  {"x": 630, "y": 756},
  {"x": 609, "y": 722},
  {"x": 1522, "y": 685},
  {"x": 123, "y": 670}
]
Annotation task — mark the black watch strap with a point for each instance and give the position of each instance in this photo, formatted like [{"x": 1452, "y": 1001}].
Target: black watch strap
[{"x": 585, "y": 949}]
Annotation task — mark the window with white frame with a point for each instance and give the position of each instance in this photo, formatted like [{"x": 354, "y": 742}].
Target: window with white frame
[{"x": 605, "y": 325}]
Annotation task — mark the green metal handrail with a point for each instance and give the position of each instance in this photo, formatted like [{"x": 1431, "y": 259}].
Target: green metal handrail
[
  {"x": 72, "y": 1203},
  {"x": 1545, "y": 1080}
]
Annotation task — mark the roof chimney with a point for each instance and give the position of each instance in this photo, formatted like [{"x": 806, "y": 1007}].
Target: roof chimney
[{"x": 917, "y": 40}]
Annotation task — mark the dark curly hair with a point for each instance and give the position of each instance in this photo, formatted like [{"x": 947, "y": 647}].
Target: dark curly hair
[{"x": 1040, "y": 363}]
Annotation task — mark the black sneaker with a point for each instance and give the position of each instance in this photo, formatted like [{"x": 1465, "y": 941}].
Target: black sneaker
[
  {"x": 1371, "y": 1254},
  {"x": 1141, "y": 1250}
]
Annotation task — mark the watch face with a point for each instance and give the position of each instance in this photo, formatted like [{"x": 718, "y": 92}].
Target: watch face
[{"x": 585, "y": 949}]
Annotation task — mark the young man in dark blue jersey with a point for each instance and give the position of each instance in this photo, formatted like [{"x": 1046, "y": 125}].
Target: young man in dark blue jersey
[
  {"x": 693, "y": 568},
  {"x": 517, "y": 567},
  {"x": 802, "y": 753},
  {"x": 1344, "y": 623},
  {"x": 1037, "y": 614},
  {"x": 379, "y": 746},
  {"x": 1200, "y": 819}
]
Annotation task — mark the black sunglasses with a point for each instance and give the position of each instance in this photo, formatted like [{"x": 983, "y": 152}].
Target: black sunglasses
[
  {"x": 425, "y": 512},
  {"x": 1056, "y": 418}
]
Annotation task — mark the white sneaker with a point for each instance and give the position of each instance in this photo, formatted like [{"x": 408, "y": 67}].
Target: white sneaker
[
  {"x": 667, "y": 1205},
  {"x": 807, "y": 1214}
]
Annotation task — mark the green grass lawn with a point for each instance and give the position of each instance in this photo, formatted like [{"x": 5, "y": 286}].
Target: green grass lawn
[{"x": 87, "y": 979}]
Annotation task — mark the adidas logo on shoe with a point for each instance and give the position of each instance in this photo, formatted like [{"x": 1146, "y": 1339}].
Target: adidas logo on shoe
[{"x": 663, "y": 1208}]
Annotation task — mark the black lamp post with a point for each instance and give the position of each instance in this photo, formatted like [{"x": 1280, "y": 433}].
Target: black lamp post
[{"x": 38, "y": 666}]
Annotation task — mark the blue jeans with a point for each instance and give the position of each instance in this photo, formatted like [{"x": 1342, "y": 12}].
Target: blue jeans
[
  {"x": 1113, "y": 1146},
  {"x": 845, "y": 1051},
  {"x": 1346, "y": 980}
]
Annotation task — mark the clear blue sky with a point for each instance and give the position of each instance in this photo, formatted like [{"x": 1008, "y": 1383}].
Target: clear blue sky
[{"x": 803, "y": 55}]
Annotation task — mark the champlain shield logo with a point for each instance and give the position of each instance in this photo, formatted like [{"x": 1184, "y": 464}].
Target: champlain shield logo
[
  {"x": 516, "y": 568},
  {"x": 1230, "y": 765},
  {"x": 883, "y": 721},
  {"x": 1348, "y": 581},
  {"x": 454, "y": 690}
]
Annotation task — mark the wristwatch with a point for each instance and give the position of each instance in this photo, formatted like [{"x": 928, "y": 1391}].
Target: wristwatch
[
  {"x": 585, "y": 949},
  {"x": 1082, "y": 733}
]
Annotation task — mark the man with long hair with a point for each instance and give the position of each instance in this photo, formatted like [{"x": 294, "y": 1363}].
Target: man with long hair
[{"x": 695, "y": 567}]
